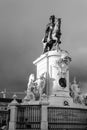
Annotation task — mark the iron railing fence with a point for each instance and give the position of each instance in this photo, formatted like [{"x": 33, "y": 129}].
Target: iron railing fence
[
  {"x": 29, "y": 117},
  {"x": 67, "y": 118},
  {"x": 4, "y": 118}
]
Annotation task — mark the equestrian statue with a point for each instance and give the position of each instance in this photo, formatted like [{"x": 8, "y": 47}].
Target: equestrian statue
[{"x": 52, "y": 34}]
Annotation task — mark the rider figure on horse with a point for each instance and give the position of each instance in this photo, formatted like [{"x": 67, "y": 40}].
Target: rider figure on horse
[
  {"x": 49, "y": 28},
  {"x": 52, "y": 33}
]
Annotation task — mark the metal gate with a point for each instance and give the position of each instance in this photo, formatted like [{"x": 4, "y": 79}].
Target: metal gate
[
  {"x": 29, "y": 117},
  {"x": 67, "y": 119},
  {"x": 4, "y": 118}
]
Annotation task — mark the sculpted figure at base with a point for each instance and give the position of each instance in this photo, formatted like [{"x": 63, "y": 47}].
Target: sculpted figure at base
[
  {"x": 41, "y": 82},
  {"x": 30, "y": 87},
  {"x": 31, "y": 81},
  {"x": 35, "y": 87},
  {"x": 76, "y": 94},
  {"x": 52, "y": 34},
  {"x": 75, "y": 91}
]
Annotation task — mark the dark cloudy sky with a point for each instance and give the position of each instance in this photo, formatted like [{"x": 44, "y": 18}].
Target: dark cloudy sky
[{"x": 22, "y": 27}]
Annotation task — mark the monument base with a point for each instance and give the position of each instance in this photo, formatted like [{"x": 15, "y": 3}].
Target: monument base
[{"x": 56, "y": 100}]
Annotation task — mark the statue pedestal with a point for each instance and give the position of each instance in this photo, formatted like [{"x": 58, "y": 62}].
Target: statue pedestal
[{"x": 50, "y": 63}]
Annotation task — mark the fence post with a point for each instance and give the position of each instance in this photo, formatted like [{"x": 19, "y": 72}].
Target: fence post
[
  {"x": 13, "y": 114},
  {"x": 44, "y": 114}
]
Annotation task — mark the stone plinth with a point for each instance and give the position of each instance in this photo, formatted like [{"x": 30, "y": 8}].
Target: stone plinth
[{"x": 49, "y": 63}]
